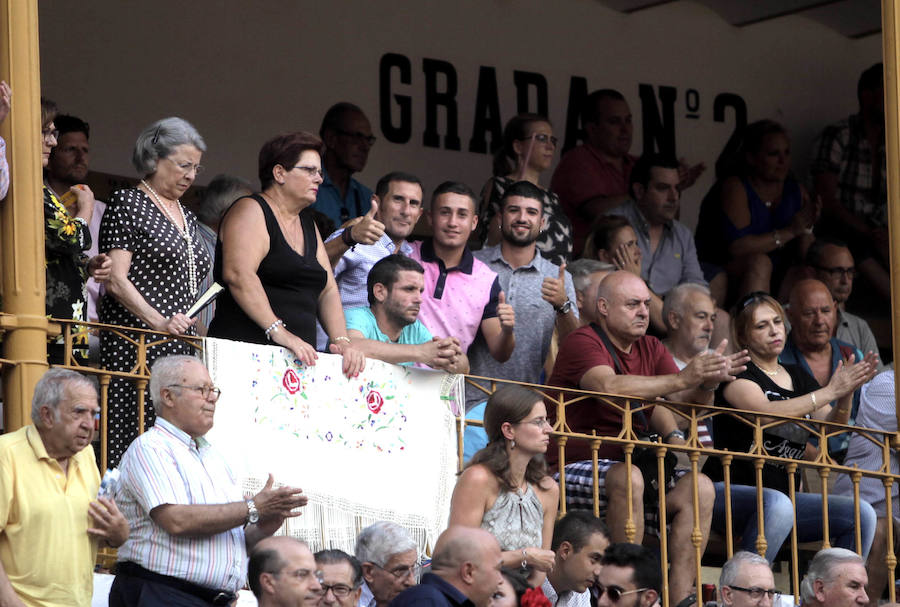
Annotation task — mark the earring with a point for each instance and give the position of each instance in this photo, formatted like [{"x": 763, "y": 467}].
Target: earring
[{"x": 512, "y": 443}]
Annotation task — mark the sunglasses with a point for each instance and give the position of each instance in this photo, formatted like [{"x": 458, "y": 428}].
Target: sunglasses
[{"x": 614, "y": 592}]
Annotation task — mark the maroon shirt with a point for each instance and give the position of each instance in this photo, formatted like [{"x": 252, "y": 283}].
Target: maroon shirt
[{"x": 580, "y": 352}]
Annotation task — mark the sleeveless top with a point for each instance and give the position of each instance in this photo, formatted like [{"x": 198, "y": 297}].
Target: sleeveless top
[
  {"x": 292, "y": 283},
  {"x": 516, "y": 520}
]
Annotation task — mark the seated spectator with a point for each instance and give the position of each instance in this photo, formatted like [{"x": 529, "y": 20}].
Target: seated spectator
[
  {"x": 281, "y": 572},
  {"x": 505, "y": 487},
  {"x": 747, "y": 579},
  {"x": 764, "y": 209},
  {"x": 219, "y": 194},
  {"x": 877, "y": 409},
  {"x": 51, "y": 520},
  {"x": 836, "y": 578},
  {"x": 342, "y": 578},
  {"x": 810, "y": 346},
  {"x": 382, "y": 231},
  {"x": 579, "y": 540},
  {"x": 668, "y": 254},
  {"x": 347, "y": 136},
  {"x": 849, "y": 174},
  {"x": 587, "y": 274},
  {"x": 537, "y": 289},
  {"x": 388, "y": 328},
  {"x": 832, "y": 263},
  {"x": 389, "y": 560},
  {"x": 5, "y": 102},
  {"x": 528, "y": 150},
  {"x": 191, "y": 524},
  {"x": 615, "y": 356},
  {"x": 770, "y": 387},
  {"x": 272, "y": 260},
  {"x": 511, "y": 590},
  {"x": 629, "y": 569},
  {"x": 465, "y": 570},
  {"x": 462, "y": 295}
]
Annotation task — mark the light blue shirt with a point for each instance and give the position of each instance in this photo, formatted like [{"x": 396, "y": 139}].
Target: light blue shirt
[
  {"x": 362, "y": 320},
  {"x": 328, "y": 201}
]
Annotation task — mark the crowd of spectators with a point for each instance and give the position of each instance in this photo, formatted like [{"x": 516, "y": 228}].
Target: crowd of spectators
[{"x": 592, "y": 283}]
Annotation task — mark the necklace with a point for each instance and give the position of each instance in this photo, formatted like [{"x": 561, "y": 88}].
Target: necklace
[
  {"x": 766, "y": 371},
  {"x": 185, "y": 235}
]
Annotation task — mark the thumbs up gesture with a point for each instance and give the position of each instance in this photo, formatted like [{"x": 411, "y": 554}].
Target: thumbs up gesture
[
  {"x": 505, "y": 313},
  {"x": 368, "y": 230},
  {"x": 553, "y": 290}
]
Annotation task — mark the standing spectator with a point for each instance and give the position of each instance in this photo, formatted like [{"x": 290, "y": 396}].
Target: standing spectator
[
  {"x": 192, "y": 526},
  {"x": 342, "y": 578},
  {"x": 389, "y": 560},
  {"x": 50, "y": 517},
  {"x": 528, "y": 150},
  {"x": 836, "y": 578},
  {"x": 158, "y": 263},
  {"x": 348, "y": 138},
  {"x": 217, "y": 197},
  {"x": 282, "y": 572},
  {"x": 746, "y": 581},
  {"x": 849, "y": 175},
  {"x": 5, "y": 102}
]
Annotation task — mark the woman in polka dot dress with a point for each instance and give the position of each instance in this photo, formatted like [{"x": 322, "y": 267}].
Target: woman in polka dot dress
[{"x": 159, "y": 261}]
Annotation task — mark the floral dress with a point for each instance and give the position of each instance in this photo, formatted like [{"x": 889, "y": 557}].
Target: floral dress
[{"x": 65, "y": 240}]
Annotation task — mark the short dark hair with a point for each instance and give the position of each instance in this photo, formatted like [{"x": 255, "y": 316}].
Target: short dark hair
[
  {"x": 577, "y": 528},
  {"x": 647, "y": 572},
  {"x": 284, "y": 150},
  {"x": 335, "y": 557},
  {"x": 640, "y": 172},
  {"x": 71, "y": 124},
  {"x": 525, "y": 189},
  {"x": 331, "y": 121},
  {"x": 262, "y": 561},
  {"x": 384, "y": 183},
  {"x": 590, "y": 111},
  {"x": 871, "y": 79},
  {"x": 815, "y": 254},
  {"x": 454, "y": 187},
  {"x": 386, "y": 271}
]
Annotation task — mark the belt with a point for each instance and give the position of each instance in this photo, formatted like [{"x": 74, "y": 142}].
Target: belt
[{"x": 210, "y": 595}]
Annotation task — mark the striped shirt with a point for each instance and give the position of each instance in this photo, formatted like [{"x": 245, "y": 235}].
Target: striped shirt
[{"x": 166, "y": 466}]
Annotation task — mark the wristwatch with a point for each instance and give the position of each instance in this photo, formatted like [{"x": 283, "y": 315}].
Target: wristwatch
[
  {"x": 252, "y": 513},
  {"x": 565, "y": 308},
  {"x": 676, "y": 433}
]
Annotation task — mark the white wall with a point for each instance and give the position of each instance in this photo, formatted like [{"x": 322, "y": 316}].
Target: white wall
[{"x": 244, "y": 71}]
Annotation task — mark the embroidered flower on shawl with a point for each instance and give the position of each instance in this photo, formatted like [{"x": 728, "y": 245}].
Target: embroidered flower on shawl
[{"x": 374, "y": 401}]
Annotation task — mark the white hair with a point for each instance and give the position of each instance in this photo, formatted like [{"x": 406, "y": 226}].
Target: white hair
[
  {"x": 823, "y": 567},
  {"x": 732, "y": 568},
  {"x": 676, "y": 297},
  {"x": 160, "y": 139},
  {"x": 51, "y": 388},
  {"x": 378, "y": 542},
  {"x": 165, "y": 372}
]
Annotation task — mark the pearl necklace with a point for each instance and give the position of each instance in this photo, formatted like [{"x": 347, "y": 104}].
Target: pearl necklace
[{"x": 185, "y": 235}]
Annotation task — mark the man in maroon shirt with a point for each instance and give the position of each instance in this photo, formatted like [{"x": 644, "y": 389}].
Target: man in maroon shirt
[{"x": 641, "y": 367}]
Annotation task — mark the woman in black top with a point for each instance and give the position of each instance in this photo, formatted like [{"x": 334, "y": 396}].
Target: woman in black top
[{"x": 271, "y": 257}]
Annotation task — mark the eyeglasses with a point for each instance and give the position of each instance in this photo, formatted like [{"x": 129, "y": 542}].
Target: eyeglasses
[
  {"x": 303, "y": 574},
  {"x": 615, "y": 592},
  {"x": 310, "y": 171},
  {"x": 402, "y": 572},
  {"x": 48, "y": 132},
  {"x": 204, "y": 391},
  {"x": 540, "y": 422},
  {"x": 543, "y": 138},
  {"x": 340, "y": 591},
  {"x": 839, "y": 271},
  {"x": 756, "y": 593},
  {"x": 359, "y": 137},
  {"x": 187, "y": 167}
]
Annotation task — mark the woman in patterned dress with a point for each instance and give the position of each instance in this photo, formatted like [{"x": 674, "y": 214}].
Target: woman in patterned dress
[
  {"x": 528, "y": 150},
  {"x": 159, "y": 261}
]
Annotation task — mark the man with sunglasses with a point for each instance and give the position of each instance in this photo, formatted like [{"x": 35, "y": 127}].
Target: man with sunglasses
[
  {"x": 347, "y": 136},
  {"x": 630, "y": 576},
  {"x": 833, "y": 264},
  {"x": 389, "y": 559},
  {"x": 283, "y": 573},
  {"x": 579, "y": 540},
  {"x": 191, "y": 525},
  {"x": 747, "y": 581},
  {"x": 341, "y": 578}
]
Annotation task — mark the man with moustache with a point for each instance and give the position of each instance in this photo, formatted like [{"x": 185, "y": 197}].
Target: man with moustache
[
  {"x": 462, "y": 295},
  {"x": 283, "y": 573},
  {"x": 579, "y": 539},
  {"x": 341, "y": 578},
  {"x": 538, "y": 290}
]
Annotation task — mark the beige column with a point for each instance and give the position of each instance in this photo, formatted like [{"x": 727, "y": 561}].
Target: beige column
[{"x": 21, "y": 216}]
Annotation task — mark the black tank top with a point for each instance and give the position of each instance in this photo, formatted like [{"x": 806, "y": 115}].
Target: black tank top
[{"x": 292, "y": 283}]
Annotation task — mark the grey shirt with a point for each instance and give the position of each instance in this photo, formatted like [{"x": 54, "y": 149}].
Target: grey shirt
[
  {"x": 675, "y": 258},
  {"x": 856, "y": 332},
  {"x": 535, "y": 321}
]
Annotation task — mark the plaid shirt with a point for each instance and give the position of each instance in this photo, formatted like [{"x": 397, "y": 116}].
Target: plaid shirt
[{"x": 843, "y": 149}]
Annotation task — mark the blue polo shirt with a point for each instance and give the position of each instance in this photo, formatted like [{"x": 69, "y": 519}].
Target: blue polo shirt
[{"x": 328, "y": 201}]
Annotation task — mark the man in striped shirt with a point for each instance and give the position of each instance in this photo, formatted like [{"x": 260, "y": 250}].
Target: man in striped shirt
[{"x": 191, "y": 525}]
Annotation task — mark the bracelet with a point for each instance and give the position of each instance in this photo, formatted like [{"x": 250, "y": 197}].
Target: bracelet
[
  {"x": 812, "y": 395},
  {"x": 274, "y": 327},
  {"x": 347, "y": 237},
  {"x": 676, "y": 432},
  {"x": 778, "y": 242},
  {"x": 341, "y": 338},
  {"x": 524, "y": 559}
]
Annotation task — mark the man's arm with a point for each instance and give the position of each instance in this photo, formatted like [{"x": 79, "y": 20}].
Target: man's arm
[
  {"x": 8, "y": 596},
  {"x": 604, "y": 379},
  {"x": 424, "y": 353}
]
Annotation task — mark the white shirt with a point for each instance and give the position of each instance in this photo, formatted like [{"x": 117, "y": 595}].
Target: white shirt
[{"x": 568, "y": 599}]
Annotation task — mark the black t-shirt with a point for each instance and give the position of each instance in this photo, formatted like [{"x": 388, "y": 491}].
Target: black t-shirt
[{"x": 786, "y": 441}]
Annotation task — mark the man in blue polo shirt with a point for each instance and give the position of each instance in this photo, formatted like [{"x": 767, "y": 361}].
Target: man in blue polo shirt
[{"x": 389, "y": 330}]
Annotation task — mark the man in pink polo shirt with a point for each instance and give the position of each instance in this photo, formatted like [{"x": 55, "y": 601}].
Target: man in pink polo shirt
[{"x": 462, "y": 295}]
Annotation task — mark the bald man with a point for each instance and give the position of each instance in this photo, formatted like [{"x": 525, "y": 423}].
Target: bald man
[
  {"x": 283, "y": 573},
  {"x": 811, "y": 345},
  {"x": 465, "y": 570},
  {"x": 615, "y": 356}
]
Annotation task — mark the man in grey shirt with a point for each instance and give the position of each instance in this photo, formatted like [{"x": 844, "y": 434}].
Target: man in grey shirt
[{"x": 539, "y": 291}]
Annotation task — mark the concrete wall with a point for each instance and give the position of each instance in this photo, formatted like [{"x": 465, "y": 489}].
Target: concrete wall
[{"x": 243, "y": 71}]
